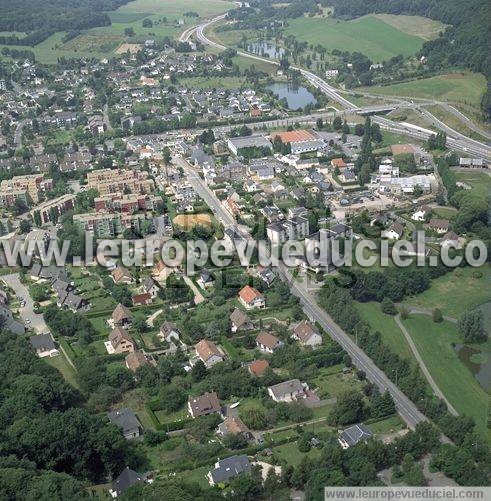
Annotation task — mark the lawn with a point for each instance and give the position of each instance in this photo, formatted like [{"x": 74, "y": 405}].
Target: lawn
[
  {"x": 388, "y": 425},
  {"x": 456, "y": 292},
  {"x": 61, "y": 363},
  {"x": 392, "y": 336},
  {"x": 289, "y": 452},
  {"x": 450, "y": 374},
  {"x": 329, "y": 384},
  {"x": 381, "y": 41},
  {"x": 452, "y": 87}
]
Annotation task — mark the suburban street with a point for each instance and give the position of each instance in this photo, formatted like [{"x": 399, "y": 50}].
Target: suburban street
[
  {"x": 26, "y": 313},
  {"x": 405, "y": 407}
]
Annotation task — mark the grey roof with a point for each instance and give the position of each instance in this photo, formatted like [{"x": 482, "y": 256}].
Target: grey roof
[
  {"x": 230, "y": 467},
  {"x": 126, "y": 479},
  {"x": 287, "y": 387},
  {"x": 124, "y": 418},
  {"x": 42, "y": 342},
  {"x": 250, "y": 141},
  {"x": 356, "y": 433}
]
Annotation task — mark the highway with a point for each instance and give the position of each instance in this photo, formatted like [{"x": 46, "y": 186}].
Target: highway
[
  {"x": 455, "y": 140},
  {"x": 405, "y": 407}
]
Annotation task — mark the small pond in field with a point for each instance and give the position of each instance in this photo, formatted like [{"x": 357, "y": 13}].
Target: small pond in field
[{"x": 296, "y": 96}]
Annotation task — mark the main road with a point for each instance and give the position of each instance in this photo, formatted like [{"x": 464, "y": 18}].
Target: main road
[
  {"x": 405, "y": 407},
  {"x": 456, "y": 140}
]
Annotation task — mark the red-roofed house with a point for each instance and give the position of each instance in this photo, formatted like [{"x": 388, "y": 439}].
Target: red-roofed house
[{"x": 251, "y": 298}]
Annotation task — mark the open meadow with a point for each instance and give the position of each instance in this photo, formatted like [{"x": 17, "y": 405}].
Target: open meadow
[
  {"x": 452, "y": 87},
  {"x": 381, "y": 40}
]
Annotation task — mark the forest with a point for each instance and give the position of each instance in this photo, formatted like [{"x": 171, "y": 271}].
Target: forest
[{"x": 40, "y": 18}]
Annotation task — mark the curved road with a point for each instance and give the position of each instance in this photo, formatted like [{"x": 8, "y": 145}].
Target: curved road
[{"x": 457, "y": 142}]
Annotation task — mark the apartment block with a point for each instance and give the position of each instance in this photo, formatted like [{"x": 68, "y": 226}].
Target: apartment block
[
  {"x": 57, "y": 206},
  {"x": 107, "y": 181},
  {"x": 110, "y": 225},
  {"x": 127, "y": 203},
  {"x": 34, "y": 184}
]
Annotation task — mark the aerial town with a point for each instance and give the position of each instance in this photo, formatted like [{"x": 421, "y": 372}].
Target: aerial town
[{"x": 248, "y": 380}]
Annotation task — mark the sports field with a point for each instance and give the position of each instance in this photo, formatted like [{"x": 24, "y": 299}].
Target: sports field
[
  {"x": 452, "y": 87},
  {"x": 381, "y": 40}
]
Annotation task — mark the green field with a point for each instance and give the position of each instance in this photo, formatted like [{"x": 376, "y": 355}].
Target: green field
[
  {"x": 101, "y": 42},
  {"x": 455, "y": 292},
  {"x": 392, "y": 336},
  {"x": 479, "y": 181},
  {"x": 459, "y": 386},
  {"x": 419, "y": 26},
  {"x": 381, "y": 41},
  {"x": 452, "y": 87}
]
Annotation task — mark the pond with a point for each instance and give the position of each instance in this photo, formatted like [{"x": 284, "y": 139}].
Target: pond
[
  {"x": 266, "y": 48},
  {"x": 479, "y": 363},
  {"x": 296, "y": 96}
]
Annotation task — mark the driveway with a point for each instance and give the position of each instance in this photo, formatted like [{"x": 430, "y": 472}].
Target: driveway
[{"x": 37, "y": 322}]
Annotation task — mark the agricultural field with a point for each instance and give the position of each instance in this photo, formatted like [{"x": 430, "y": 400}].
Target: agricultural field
[
  {"x": 381, "y": 41},
  {"x": 452, "y": 87},
  {"x": 435, "y": 345},
  {"x": 418, "y": 26},
  {"x": 103, "y": 41}
]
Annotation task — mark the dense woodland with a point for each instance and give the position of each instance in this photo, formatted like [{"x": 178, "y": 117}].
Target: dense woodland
[{"x": 40, "y": 18}]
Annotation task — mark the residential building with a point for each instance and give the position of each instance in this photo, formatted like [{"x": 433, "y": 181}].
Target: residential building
[
  {"x": 257, "y": 368},
  {"x": 51, "y": 210},
  {"x": 124, "y": 481},
  {"x": 353, "y": 435},
  {"x": 120, "y": 341},
  {"x": 121, "y": 275},
  {"x": 239, "y": 321},
  {"x": 107, "y": 181},
  {"x": 125, "y": 419},
  {"x": 110, "y": 224},
  {"x": 394, "y": 232},
  {"x": 35, "y": 185},
  {"x": 209, "y": 353},
  {"x": 288, "y": 391},
  {"x": 228, "y": 468},
  {"x": 439, "y": 225},
  {"x": 306, "y": 334},
  {"x": 251, "y": 298},
  {"x": 267, "y": 342},
  {"x": 204, "y": 405},
  {"x": 43, "y": 345},
  {"x": 121, "y": 316},
  {"x": 137, "y": 359},
  {"x": 233, "y": 426}
]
